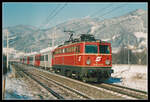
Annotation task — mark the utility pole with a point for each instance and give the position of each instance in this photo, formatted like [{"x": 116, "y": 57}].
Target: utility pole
[
  {"x": 4, "y": 80},
  {"x": 53, "y": 38},
  {"x": 128, "y": 53},
  {"x": 7, "y": 48},
  {"x": 128, "y": 48}
]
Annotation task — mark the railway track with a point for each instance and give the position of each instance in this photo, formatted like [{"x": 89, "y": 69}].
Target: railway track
[
  {"x": 38, "y": 76},
  {"x": 137, "y": 94},
  {"x": 24, "y": 74},
  {"x": 78, "y": 86},
  {"x": 72, "y": 90},
  {"x": 99, "y": 89},
  {"x": 58, "y": 96}
]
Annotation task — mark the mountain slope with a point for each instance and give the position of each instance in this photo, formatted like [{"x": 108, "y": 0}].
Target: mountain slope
[{"x": 130, "y": 28}]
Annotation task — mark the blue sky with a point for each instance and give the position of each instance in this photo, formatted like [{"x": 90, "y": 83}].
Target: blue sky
[{"x": 36, "y": 13}]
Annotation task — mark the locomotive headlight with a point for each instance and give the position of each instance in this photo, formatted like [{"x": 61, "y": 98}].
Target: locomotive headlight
[
  {"x": 107, "y": 62},
  {"x": 88, "y": 61}
]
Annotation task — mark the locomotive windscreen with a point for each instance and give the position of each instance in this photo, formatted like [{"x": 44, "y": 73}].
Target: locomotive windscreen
[
  {"x": 104, "y": 49},
  {"x": 91, "y": 49}
]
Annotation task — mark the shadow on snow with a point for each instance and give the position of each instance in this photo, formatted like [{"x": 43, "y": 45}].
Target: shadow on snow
[
  {"x": 15, "y": 96},
  {"x": 113, "y": 80}
]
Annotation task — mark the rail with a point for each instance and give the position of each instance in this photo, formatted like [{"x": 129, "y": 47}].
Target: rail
[{"x": 138, "y": 94}]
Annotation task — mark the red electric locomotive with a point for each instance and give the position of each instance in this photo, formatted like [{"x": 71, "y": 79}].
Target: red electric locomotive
[{"x": 85, "y": 58}]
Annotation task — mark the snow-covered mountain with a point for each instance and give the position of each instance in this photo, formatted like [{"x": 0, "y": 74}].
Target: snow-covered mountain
[{"x": 127, "y": 30}]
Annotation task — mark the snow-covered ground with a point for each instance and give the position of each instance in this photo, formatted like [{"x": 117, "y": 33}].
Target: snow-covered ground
[
  {"x": 133, "y": 76},
  {"x": 18, "y": 88}
]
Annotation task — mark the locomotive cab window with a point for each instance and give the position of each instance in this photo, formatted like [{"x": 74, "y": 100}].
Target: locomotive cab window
[
  {"x": 91, "y": 49},
  {"x": 104, "y": 49}
]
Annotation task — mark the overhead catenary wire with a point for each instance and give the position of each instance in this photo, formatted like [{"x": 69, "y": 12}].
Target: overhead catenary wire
[
  {"x": 92, "y": 15},
  {"x": 52, "y": 17},
  {"x": 102, "y": 9},
  {"x": 51, "y": 13},
  {"x": 112, "y": 10}
]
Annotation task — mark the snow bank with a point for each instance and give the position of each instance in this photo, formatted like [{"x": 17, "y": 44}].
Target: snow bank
[
  {"x": 134, "y": 76},
  {"x": 115, "y": 36},
  {"x": 140, "y": 35},
  {"x": 15, "y": 89}
]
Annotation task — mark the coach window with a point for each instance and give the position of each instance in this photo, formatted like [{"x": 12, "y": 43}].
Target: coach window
[
  {"x": 78, "y": 49},
  {"x": 69, "y": 49},
  {"x": 46, "y": 57},
  {"x": 41, "y": 58},
  {"x": 59, "y": 51},
  {"x": 72, "y": 49},
  {"x": 30, "y": 58},
  {"x": 62, "y": 50},
  {"x": 55, "y": 52},
  {"x": 65, "y": 50}
]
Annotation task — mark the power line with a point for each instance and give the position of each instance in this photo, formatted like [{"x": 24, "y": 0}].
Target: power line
[
  {"x": 52, "y": 12},
  {"x": 116, "y": 8},
  {"x": 56, "y": 13},
  {"x": 102, "y": 9}
]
